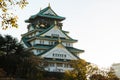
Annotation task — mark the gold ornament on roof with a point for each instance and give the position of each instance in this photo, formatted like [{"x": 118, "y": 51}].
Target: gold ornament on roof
[
  {"x": 59, "y": 40},
  {"x": 55, "y": 22}
]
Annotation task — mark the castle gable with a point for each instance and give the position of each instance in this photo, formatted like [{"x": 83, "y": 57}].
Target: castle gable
[
  {"x": 55, "y": 32},
  {"x": 59, "y": 52},
  {"x": 49, "y": 12}
]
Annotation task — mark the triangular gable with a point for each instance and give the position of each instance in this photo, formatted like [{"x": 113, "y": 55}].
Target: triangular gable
[
  {"x": 49, "y": 12},
  {"x": 59, "y": 52},
  {"x": 56, "y": 32}
]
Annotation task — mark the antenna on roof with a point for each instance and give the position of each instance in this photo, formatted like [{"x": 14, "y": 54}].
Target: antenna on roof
[{"x": 49, "y": 5}]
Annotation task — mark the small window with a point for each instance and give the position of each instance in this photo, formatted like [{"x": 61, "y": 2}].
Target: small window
[
  {"x": 64, "y": 55},
  {"x": 53, "y": 54},
  {"x": 68, "y": 44},
  {"x": 39, "y": 51},
  {"x": 51, "y": 42},
  {"x": 67, "y": 65},
  {"x": 51, "y": 64},
  {"x": 41, "y": 41}
]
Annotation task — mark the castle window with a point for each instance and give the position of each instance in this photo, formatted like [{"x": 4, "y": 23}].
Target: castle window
[
  {"x": 68, "y": 44},
  {"x": 64, "y": 55},
  {"x": 41, "y": 41},
  {"x": 51, "y": 64},
  {"x": 51, "y": 42},
  {"x": 66, "y": 65},
  {"x": 39, "y": 51},
  {"x": 53, "y": 54}
]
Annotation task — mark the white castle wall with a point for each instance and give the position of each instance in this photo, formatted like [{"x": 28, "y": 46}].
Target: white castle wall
[
  {"x": 55, "y": 31},
  {"x": 46, "y": 42}
]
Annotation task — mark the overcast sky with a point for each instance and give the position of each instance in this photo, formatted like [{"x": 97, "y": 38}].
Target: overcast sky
[{"x": 94, "y": 23}]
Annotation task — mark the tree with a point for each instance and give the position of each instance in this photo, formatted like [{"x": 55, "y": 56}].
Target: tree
[
  {"x": 111, "y": 75},
  {"x": 78, "y": 72},
  {"x": 17, "y": 61},
  {"x": 83, "y": 70},
  {"x": 104, "y": 75},
  {"x": 98, "y": 77},
  {"x": 7, "y": 18}
]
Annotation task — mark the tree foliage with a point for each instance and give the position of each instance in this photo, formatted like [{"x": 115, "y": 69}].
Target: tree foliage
[
  {"x": 78, "y": 72},
  {"x": 17, "y": 61},
  {"x": 83, "y": 70},
  {"x": 104, "y": 75},
  {"x": 7, "y": 17}
]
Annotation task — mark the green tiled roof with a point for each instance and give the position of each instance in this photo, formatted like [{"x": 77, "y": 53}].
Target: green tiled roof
[
  {"x": 24, "y": 39},
  {"x": 42, "y": 46},
  {"x": 47, "y": 50},
  {"x": 41, "y": 14},
  {"x": 52, "y": 39},
  {"x": 74, "y": 50},
  {"x": 65, "y": 31}
]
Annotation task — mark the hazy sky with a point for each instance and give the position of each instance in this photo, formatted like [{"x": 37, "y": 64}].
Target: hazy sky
[{"x": 95, "y": 23}]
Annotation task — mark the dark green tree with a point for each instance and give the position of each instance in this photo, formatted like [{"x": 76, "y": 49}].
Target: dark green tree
[{"x": 17, "y": 61}]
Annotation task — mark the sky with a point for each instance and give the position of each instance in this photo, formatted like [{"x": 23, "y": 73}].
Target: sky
[{"x": 94, "y": 23}]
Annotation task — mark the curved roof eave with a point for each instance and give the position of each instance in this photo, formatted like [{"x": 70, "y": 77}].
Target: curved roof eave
[{"x": 41, "y": 14}]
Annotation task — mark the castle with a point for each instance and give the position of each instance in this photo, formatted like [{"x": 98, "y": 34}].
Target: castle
[{"x": 46, "y": 39}]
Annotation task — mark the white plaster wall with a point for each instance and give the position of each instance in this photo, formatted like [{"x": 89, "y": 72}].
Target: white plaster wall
[
  {"x": 55, "y": 30},
  {"x": 37, "y": 41},
  {"x": 55, "y": 68},
  {"x": 32, "y": 42},
  {"x": 37, "y": 33},
  {"x": 71, "y": 44},
  {"x": 46, "y": 42},
  {"x": 31, "y": 28},
  {"x": 49, "y": 12},
  {"x": 34, "y": 51},
  {"x": 65, "y": 44}
]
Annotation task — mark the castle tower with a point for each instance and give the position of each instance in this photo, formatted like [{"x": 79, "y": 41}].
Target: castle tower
[{"x": 46, "y": 39}]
